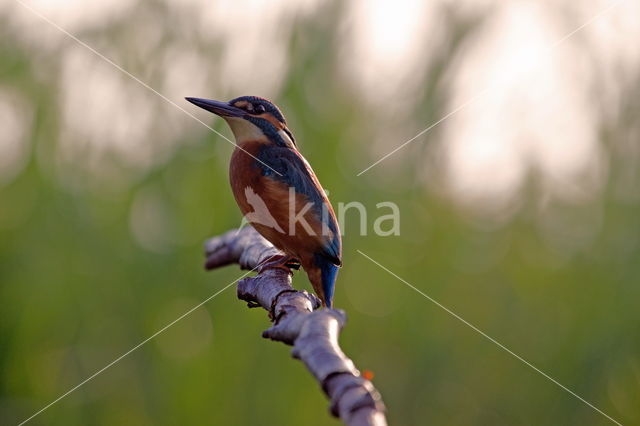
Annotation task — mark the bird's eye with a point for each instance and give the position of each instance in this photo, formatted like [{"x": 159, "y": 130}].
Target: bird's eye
[{"x": 259, "y": 109}]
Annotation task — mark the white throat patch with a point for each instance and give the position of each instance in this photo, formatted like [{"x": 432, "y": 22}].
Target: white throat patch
[{"x": 244, "y": 130}]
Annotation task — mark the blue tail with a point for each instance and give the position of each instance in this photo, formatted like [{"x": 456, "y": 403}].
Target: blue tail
[{"x": 328, "y": 273}]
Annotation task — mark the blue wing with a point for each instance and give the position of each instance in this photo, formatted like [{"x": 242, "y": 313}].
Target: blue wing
[{"x": 297, "y": 173}]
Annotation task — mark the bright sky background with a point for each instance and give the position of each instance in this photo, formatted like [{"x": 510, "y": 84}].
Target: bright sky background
[{"x": 536, "y": 111}]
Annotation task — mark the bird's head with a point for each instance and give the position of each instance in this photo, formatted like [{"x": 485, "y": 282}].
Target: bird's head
[{"x": 251, "y": 118}]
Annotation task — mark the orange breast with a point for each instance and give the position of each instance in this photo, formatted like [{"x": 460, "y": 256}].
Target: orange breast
[
  {"x": 265, "y": 203},
  {"x": 243, "y": 173}
]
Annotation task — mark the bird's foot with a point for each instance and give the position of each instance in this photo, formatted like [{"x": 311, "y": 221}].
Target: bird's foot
[
  {"x": 293, "y": 263},
  {"x": 251, "y": 304},
  {"x": 287, "y": 263}
]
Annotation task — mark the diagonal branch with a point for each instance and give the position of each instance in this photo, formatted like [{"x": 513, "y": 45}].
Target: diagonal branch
[{"x": 297, "y": 321}]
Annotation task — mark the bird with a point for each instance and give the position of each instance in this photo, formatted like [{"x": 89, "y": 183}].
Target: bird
[{"x": 278, "y": 192}]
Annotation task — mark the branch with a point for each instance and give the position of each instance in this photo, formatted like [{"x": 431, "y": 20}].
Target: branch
[{"x": 297, "y": 321}]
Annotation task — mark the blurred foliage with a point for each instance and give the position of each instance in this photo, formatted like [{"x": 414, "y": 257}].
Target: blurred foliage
[{"x": 90, "y": 269}]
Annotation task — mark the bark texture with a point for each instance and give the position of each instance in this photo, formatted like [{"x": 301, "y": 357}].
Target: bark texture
[{"x": 297, "y": 321}]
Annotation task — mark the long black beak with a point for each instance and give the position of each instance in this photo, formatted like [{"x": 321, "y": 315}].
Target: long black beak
[{"x": 223, "y": 109}]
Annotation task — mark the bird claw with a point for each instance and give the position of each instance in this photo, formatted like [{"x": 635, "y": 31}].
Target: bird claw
[
  {"x": 293, "y": 264},
  {"x": 252, "y": 304},
  {"x": 286, "y": 263}
]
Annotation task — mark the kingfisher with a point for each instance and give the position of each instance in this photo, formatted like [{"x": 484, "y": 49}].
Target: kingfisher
[{"x": 278, "y": 192}]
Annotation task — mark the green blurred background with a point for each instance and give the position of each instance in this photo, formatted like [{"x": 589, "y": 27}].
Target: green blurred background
[{"x": 521, "y": 213}]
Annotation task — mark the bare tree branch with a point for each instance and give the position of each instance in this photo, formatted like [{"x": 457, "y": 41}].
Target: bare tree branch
[{"x": 297, "y": 321}]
